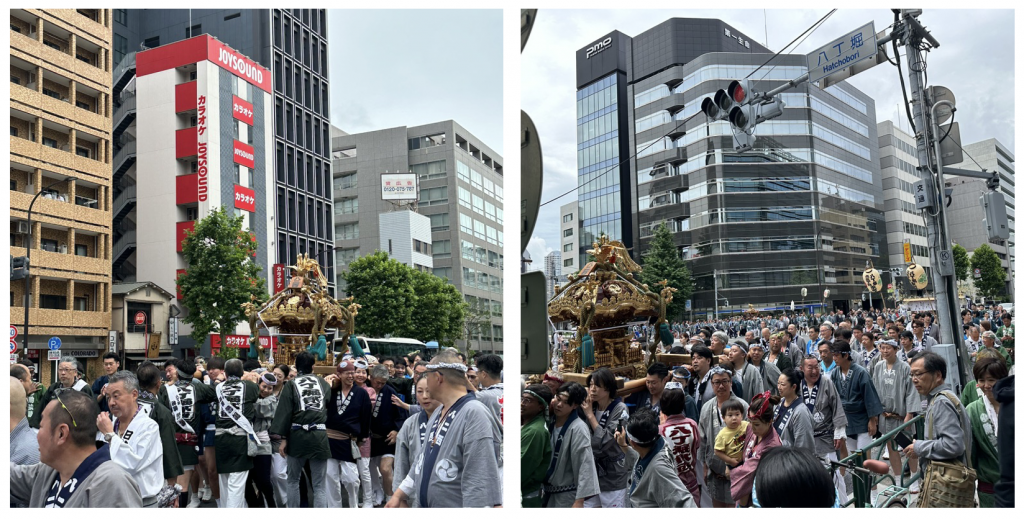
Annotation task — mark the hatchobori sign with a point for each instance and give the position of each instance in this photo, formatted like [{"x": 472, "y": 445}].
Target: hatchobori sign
[
  {"x": 245, "y": 199},
  {"x": 244, "y": 155},
  {"x": 241, "y": 109}
]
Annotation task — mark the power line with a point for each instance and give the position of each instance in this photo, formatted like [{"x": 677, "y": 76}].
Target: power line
[
  {"x": 791, "y": 43},
  {"x": 808, "y": 35},
  {"x": 673, "y": 130}
]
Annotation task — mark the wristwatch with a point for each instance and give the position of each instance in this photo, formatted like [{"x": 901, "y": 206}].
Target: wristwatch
[{"x": 107, "y": 436}]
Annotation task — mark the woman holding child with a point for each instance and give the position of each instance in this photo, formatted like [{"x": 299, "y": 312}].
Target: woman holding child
[{"x": 761, "y": 437}]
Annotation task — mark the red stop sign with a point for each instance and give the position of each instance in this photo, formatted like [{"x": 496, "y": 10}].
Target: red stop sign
[{"x": 140, "y": 318}]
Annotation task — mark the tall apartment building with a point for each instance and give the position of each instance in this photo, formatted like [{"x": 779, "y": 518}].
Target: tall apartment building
[
  {"x": 803, "y": 209},
  {"x": 194, "y": 124},
  {"x": 569, "y": 236},
  {"x": 60, "y": 155},
  {"x": 965, "y": 214},
  {"x": 903, "y": 222},
  {"x": 292, "y": 45},
  {"x": 552, "y": 271},
  {"x": 460, "y": 190}
]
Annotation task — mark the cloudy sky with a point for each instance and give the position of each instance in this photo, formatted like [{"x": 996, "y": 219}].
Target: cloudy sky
[
  {"x": 405, "y": 67},
  {"x": 975, "y": 60}
]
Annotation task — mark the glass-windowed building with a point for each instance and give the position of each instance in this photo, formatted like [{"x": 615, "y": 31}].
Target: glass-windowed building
[{"x": 803, "y": 209}]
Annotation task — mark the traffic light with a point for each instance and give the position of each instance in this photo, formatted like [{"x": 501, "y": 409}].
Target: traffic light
[
  {"x": 741, "y": 114},
  {"x": 19, "y": 268},
  {"x": 996, "y": 223}
]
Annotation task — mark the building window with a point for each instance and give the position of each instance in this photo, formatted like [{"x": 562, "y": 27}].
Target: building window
[
  {"x": 566, "y": 218},
  {"x": 81, "y": 250},
  {"x": 14, "y": 132},
  {"x": 232, "y": 16},
  {"x": 434, "y": 196},
  {"x": 49, "y": 142},
  {"x": 82, "y": 304},
  {"x": 567, "y": 233},
  {"x": 121, "y": 16},
  {"x": 84, "y": 106},
  {"x": 53, "y": 302},
  {"x": 51, "y": 93},
  {"x": 421, "y": 247},
  {"x": 120, "y": 48},
  {"x": 567, "y": 263},
  {"x": 346, "y": 206},
  {"x": 344, "y": 154},
  {"x": 439, "y": 222},
  {"x": 567, "y": 247},
  {"x": 427, "y": 142},
  {"x": 82, "y": 151},
  {"x": 52, "y": 45},
  {"x": 349, "y": 231}
]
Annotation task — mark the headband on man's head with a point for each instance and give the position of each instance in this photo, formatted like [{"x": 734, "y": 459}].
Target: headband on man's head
[
  {"x": 681, "y": 372},
  {"x": 673, "y": 385},
  {"x": 269, "y": 378},
  {"x": 741, "y": 345},
  {"x": 448, "y": 365},
  {"x": 538, "y": 397},
  {"x": 346, "y": 366},
  {"x": 719, "y": 370},
  {"x": 634, "y": 439}
]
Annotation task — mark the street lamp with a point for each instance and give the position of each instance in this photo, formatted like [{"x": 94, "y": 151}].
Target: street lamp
[{"x": 28, "y": 258}]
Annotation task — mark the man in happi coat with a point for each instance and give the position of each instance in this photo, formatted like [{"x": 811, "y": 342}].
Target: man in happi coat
[
  {"x": 301, "y": 420},
  {"x": 900, "y": 401},
  {"x": 493, "y": 393},
  {"x": 183, "y": 398},
  {"x": 458, "y": 463},
  {"x": 132, "y": 436},
  {"x": 149, "y": 385},
  {"x": 67, "y": 378},
  {"x": 385, "y": 421},
  {"x": 236, "y": 411},
  {"x": 72, "y": 472},
  {"x": 860, "y": 400},
  {"x": 826, "y": 407},
  {"x": 749, "y": 377},
  {"x": 653, "y": 482},
  {"x": 535, "y": 443},
  {"x": 572, "y": 473},
  {"x": 348, "y": 424}
]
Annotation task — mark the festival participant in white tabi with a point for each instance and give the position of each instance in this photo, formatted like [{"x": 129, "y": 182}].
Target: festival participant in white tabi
[
  {"x": 236, "y": 399},
  {"x": 73, "y": 472},
  {"x": 413, "y": 433},
  {"x": 133, "y": 437},
  {"x": 67, "y": 378},
  {"x": 900, "y": 401},
  {"x": 183, "y": 398},
  {"x": 822, "y": 400},
  {"x": 300, "y": 420},
  {"x": 572, "y": 474},
  {"x": 715, "y": 491},
  {"x": 365, "y": 479},
  {"x": 348, "y": 425},
  {"x": 458, "y": 464},
  {"x": 604, "y": 412},
  {"x": 792, "y": 419},
  {"x": 750, "y": 377},
  {"x": 653, "y": 481}
]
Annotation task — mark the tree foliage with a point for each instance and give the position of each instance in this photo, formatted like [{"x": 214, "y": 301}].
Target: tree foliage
[
  {"x": 662, "y": 262},
  {"x": 478, "y": 318},
  {"x": 961, "y": 262},
  {"x": 993, "y": 277},
  {"x": 221, "y": 275},
  {"x": 399, "y": 301}
]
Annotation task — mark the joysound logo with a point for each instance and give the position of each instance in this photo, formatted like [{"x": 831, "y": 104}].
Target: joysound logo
[
  {"x": 240, "y": 65},
  {"x": 599, "y": 46}
]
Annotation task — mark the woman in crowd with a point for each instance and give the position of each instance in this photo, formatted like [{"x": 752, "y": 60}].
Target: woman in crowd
[
  {"x": 984, "y": 414},
  {"x": 604, "y": 412},
  {"x": 716, "y": 484},
  {"x": 761, "y": 437},
  {"x": 792, "y": 418},
  {"x": 413, "y": 432},
  {"x": 788, "y": 477}
]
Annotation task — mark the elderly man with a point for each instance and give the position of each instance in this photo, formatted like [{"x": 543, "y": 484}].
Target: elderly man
[
  {"x": 133, "y": 437},
  {"x": 988, "y": 339},
  {"x": 750, "y": 377},
  {"x": 300, "y": 420},
  {"x": 718, "y": 342},
  {"x": 797, "y": 340},
  {"x": 24, "y": 377},
  {"x": 67, "y": 375},
  {"x": 24, "y": 449},
  {"x": 73, "y": 473},
  {"x": 111, "y": 364},
  {"x": 948, "y": 433},
  {"x": 458, "y": 465}
]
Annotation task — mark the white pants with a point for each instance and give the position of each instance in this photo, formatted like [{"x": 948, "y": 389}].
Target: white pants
[
  {"x": 366, "y": 482},
  {"x": 856, "y": 444},
  {"x": 279, "y": 479},
  {"x": 232, "y": 490},
  {"x": 607, "y": 499},
  {"x": 377, "y": 481},
  {"x": 838, "y": 479},
  {"x": 335, "y": 481}
]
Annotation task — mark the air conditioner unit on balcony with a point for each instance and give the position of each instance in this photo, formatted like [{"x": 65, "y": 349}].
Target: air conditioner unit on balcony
[
  {"x": 21, "y": 228},
  {"x": 63, "y": 248}
]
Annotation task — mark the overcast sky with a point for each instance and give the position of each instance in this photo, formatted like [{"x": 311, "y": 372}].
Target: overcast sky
[
  {"x": 405, "y": 67},
  {"x": 975, "y": 60}
]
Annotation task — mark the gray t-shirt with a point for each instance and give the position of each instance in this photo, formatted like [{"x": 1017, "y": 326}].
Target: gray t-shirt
[{"x": 466, "y": 473}]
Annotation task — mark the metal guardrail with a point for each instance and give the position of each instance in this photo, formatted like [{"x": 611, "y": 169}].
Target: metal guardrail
[
  {"x": 126, "y": 242},
  {"x": 863, "y": 480},
  {"x": 126, "y": 108},
  {"x": 122, "y": 158},
  {"x": 127, "y": 64},
  {"x": 125, "y": 197}
]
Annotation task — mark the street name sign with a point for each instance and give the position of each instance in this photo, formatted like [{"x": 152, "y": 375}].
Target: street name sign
[{"x": 843, "y": 52}]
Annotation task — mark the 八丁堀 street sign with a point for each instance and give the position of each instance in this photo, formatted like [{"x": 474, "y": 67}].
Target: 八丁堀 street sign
[{"x": 838, "y": 54}]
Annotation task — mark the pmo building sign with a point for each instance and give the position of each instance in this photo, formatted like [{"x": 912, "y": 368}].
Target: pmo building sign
[
  {"x": 842, "y": 52},
  {"x": 398, "y": 186}
]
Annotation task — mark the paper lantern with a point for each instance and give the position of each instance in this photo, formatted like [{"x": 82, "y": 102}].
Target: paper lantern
[
  {"x": 872, "y": 280},
  {"x": 917, "y": 276}
]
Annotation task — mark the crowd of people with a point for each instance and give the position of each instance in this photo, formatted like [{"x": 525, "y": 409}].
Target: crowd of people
[
  {"x": 764, "y": 408},
  {"x": 393, "y": 432}
]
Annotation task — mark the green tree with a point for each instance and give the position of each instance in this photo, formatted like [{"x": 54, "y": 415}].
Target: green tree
[
  {"x": 993, "y": 277},
  {"x": 221, "y": 275},
  {"x": 478, "y": 318},
  {"x": 383, "y": 287},
  {"x": 961, "y": 262},
  {"x": 662, "y": 262},
  {"x": 439, "y": 311}
]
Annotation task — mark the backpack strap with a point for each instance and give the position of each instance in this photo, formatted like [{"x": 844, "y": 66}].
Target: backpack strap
[{"x": 960, "y": 417}]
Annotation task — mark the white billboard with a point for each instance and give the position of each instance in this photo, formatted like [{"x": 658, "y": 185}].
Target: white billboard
[{"x": 398, "y": 186}]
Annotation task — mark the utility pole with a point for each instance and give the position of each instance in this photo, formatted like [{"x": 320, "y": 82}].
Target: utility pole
[{"x": 912, "y": 37}]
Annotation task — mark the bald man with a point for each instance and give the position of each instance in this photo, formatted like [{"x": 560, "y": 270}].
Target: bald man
[{"x": 24, "y": 447}]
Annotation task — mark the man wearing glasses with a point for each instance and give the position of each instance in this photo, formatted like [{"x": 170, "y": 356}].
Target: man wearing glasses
[
  {"x": 947, "y": 433},
  {"x": 133, "y": 437},
  {"x": 68, "y": 379},
  {"x": 921, "y": 340},
  {"x": 73, "y": 473}
]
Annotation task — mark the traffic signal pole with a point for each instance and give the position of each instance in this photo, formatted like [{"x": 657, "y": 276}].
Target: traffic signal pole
[{"x": 913, "y": 34}]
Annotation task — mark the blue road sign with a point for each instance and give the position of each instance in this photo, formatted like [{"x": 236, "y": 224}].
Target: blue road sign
[{"x": 54, "y": 343}]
